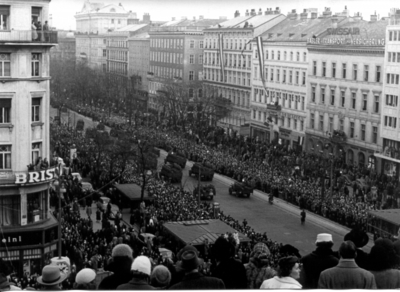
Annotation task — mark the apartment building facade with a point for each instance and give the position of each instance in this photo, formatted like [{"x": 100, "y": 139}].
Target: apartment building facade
[
  {"x": 345, "y": 91},
  {"x": 389, "y": 153},
  {"x": 278, "y": 111},
  {"x": 233, "y": 40},
  {"x": 139, "y": 58},
  {"x": 28, "y": 237}
]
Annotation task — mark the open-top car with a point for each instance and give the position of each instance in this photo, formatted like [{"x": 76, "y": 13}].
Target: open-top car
[
  {"x": 172, "y": 171},
  {"x": 176, "y": 157},
  {"x": 240, "y": 189},
  {"x": 206, "y": 172},
  {"x": 207, "y": 191}
]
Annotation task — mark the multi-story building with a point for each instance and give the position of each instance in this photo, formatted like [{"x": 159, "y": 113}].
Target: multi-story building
[
  {"x": 389, "y": 154},
  {"x": 66, "y": 48},
  {"x": 345, "y": 90},
  {"x": 232, "y": 80},
  {"x": 139, "y": 58},
  {"x": 278, "y": 111},
  {"x": 28, "y": 236},
  {"x": 176, "y": 53},
  {"x": 92, "y": 23}
]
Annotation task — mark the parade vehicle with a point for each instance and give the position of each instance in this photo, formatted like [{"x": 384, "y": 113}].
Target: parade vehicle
[
  {"x": 205, "y": 171},
  {"x": 176, "y": 157},
  {"x": 172, "y": 172},
  {"x": 207, "y": 192},
  {"x": 80, "y": 125},
  {"x": 240, "y": 189}
]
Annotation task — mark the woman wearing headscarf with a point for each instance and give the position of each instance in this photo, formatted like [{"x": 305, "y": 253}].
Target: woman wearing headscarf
[
  {"x": 288, "y": 274},
  {"x": 258, "y": 269}
]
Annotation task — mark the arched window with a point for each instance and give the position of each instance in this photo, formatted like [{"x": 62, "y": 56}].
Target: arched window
[
  {"x": 350, "y": 155},
  {"x": 371, "y": 162},
  {"x": 361, "y": 159},
  {"x": 311, "y": 144}
]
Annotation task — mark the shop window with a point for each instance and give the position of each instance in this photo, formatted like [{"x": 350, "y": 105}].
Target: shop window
[
  {"x": 10, "y": 210},
  {"x": 35, "y": 208}
]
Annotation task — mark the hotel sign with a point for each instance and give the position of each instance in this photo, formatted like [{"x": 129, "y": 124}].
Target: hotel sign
[
  {"x": 344, "y": 31},
  {"x": 34, "y": 176}
]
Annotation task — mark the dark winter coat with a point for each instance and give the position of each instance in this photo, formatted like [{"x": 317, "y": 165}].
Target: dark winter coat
[
  {"x": 232, "y": 272},
  {"x": 136, "y": 284},
  {"x": 313, "y": 264},
  {"x": 121, "y": 267},
  {"x": 197, "y": 281}
]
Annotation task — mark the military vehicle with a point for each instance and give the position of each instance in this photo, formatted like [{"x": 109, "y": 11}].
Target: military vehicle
[
  {"x": 206, "y": 172},
  {"x": 207, "y": 191},
  {"x": 172, "y": 172},
  {"x": 240, "y": 189},
  {"x": 176, "y": 157}
]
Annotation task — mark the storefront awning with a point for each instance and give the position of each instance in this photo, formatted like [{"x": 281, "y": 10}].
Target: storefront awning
[{"x": 380, "y": 155}]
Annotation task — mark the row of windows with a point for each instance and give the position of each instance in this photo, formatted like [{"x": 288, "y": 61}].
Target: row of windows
[
  {"x": 166, "y": 72},
  {"x": 390, "y": 122},
  {"x": 351, "y": 128},
  {"x": 117, "y": 44},
  {"x": 393, "y": 57},
  {"x": 116, "y": 55},
  {"x": 394, "y": 35},
  {"x": 5, "y": 110},
  {"x": 231, "y": 77},
  {"x": 352, "y": 103},
  {"x": 291, "y": 101},
  {"x": 392, "y": 100},
  {"x": 288, "y": 123},
  {"x": 288, "y": 76},
  {"x": 392, "y": 78},
  {"x": 116, "y": 67},
  {"x": 5, "y": 155},
  {"x": 366, "y": 76},
  {"x": 172, "y": 43},
  {"x": 230, "y": 60},
  {"x": 270, "y": 55},
  {"x": 5, "y": 64},
  {"x": 166, "y": 57},
  {"x": 229, "y": 44}
]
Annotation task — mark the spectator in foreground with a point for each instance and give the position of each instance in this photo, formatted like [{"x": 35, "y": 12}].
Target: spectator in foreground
[
  {"x": 383, "y": 261},
  {"x": 121, "y": 267},
  {"x": 346, "y": 275},
  {"x": 228, "y": 269},
  {"x": 160, "y": 277},
  {"x": 360, "y": 239},
  {"x": 85, "y": 280},
  {"x": 51, "y": 278},
  {"x": 193, "y": 279},
  {"x": 141, "y": 270},
  {"x": 5, "y": 285},
  {"x": 288, "y": 274},
  {"x": 319, "y": 260},
  {"x": 258, "y": 269}
]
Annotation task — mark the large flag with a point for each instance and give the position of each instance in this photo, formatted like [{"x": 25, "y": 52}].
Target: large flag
[
  {"x": 221, "y": 55},
  {"x": 261, "y": 60}
]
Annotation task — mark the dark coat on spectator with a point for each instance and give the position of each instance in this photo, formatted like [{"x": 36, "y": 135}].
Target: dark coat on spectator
[
  {"x": 346, "y": 275},
  {"x": 232, "y": 273},
  {"x": 121, "y": 267},
  {"x": 313, "y": 264},
  {"x": 136, "y": 284},
  {"x": 197, "y": 281}
]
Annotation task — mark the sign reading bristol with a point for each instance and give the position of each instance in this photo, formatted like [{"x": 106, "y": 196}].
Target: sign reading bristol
[{"x": 34, "y": 176}]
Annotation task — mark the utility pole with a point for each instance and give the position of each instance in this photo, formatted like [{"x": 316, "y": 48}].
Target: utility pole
[{"x": 198, "y": 186}]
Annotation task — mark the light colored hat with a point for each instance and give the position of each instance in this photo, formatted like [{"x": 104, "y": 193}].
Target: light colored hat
[
  {"x": 142, "y": 264},
  {"x": 51, "y": 275},
  {"x": 85, "y": 276},
  {"x": 121, "y": 250},
  {"x": 324, "y": 237},
  {"x": 160, "y": 277}
]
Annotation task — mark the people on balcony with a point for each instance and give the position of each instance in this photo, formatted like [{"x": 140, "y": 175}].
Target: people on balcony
[{"x": 34, "y": 33}]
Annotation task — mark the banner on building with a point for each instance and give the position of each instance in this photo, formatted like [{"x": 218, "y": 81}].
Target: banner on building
[
  {"x": 221, "y": 55},
  {"x": 261, "y": 60}
]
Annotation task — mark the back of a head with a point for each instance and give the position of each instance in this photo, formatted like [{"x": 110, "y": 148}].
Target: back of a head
[
  {"x": 383, "y": 255},
  {"x": 160, "y": 277},
  {"x": 348, "y": 250},
  {"x": 222, "y": 249}
]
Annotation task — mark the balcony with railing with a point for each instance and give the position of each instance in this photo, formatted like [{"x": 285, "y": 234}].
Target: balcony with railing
[
  {"x": 29, "y": 36},
  {"x": 274, "y": 106}
]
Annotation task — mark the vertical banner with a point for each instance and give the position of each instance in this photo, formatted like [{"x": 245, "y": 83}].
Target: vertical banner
[
  {"x": 221, "y": 55},
  {"x": 261, "y": 60}
]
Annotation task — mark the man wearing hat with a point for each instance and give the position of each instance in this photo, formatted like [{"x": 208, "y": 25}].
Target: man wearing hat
[
  {"x": 347, "y": 275},
  {"x": 122, "y": 259},
  {"x": 320, "y": 259},
  {"x": 51, "y": 278},
  {"x": 360, "y": 239},
  {"x": 141, "y": 270},
  {"x": 193, "y": 279}
]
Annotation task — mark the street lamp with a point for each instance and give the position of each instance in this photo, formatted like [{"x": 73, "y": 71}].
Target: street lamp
[{"x": 59, "y": 184}]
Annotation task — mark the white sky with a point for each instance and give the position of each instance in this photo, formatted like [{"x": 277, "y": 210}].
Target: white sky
[{"x": 63, "y": 11}]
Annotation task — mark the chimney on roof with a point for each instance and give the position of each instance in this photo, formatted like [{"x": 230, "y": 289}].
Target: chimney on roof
[
  {"x": 374, "y": 17},
  {"x": 247, "y": 13},
  {"x": 237, "y": 13},
  {"x": 146, "y": 18},
  {"x": 293, "y": 15},
  {"x": 304, "y": 15},
  {"x": 357, "y": 16},
  {"x": 253, "y": 12},
  {"x": 201, "y": 17},
  {"x": 327, "y": 12},
  {"x": 183, "y": 18},
  {"x": 260, "y": 12},
  {"x": 277, "y": 10},
  {"x": 267, "y": 12},
  {"x": 335, "y": 20}
]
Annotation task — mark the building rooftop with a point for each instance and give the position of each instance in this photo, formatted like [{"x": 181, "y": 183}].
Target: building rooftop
[
  {"x": 194, "y": 22},
  {"x": 297, "y": 29},
  {"x": 246, "y": 21},
  {"x": 132, "y": 27},
  {"x": 140, "y": 36},
  {"x": 93, "y": 7}
]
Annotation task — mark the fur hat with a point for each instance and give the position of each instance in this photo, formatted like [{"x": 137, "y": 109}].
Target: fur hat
[
  {"x": 160, "y": 277},
  {"x": 141, "y": 264},
  {"x": 358, "y": 237},
  {"x": 121, "y": 250},
  {"x": 85, "y": 276},
  {"x": 324, "y": 237},
  {"x": 260, "y": 250}
]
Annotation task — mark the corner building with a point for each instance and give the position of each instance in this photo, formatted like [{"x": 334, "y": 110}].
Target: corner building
[
  {"x": 345, "y": 91},
  {"x": 28, "y": 230},
  {"x": 389, "y": 153}
]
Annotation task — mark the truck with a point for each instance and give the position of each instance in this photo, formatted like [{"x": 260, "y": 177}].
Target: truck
[
  {"x": 207, "y": 191},
  {"x": 176, "y": 157},
  {"x": 172, "y": 171},
  {"x": 205, "y": 171},
  {"x": 240, "y": 189}
]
